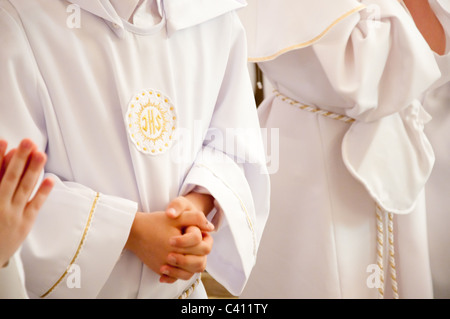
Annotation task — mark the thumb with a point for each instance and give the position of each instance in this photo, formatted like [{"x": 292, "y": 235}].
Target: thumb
[
  {"x": 172, "y": 213},
  {"x": 176, "y": 207}
]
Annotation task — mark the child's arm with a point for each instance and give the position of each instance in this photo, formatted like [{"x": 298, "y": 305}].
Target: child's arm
[{"x": 19, "y": 172}]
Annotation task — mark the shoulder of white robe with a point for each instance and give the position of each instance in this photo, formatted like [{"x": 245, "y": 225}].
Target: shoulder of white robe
[
  {"x": 277, "y": 27},
  {"x": 182, "y": 14},
  {"x": 445, "y": 4},
  {"x": 442, "y": 10}
]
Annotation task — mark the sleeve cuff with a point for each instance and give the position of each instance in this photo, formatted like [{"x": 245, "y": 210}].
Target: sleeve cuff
[
  {"x": 69, "y": 260},
  {"x": 235, "y": 242}
]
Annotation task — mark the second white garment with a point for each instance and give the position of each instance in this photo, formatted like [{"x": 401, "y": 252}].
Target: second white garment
[
  {"x": 367, "y": 61},
  {"x": 437, "y": 103}
]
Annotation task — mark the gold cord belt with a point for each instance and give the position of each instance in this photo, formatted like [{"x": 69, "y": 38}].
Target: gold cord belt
[
  {"x": 314, "y": 109},
  {"x": 191, "y": 289},
  {"x": 380, "y": 214}
]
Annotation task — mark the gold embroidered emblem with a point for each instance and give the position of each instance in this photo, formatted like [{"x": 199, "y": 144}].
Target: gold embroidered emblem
[{"x": 151, "y": 120}]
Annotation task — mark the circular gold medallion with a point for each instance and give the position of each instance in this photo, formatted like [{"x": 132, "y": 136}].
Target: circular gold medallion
[{"x": 151, "y": 122}]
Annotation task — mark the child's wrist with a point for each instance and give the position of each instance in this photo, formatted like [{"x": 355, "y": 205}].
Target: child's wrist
[
  {"x": 132, "y": 236},
  {"x": 202, "y": 201}
]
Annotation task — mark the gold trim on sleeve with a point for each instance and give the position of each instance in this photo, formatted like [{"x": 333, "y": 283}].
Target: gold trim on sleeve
[
  {"x": 307, "y": 43},
  {"x": 80, "y": 245},
  {"x": 243, "y": 207}
]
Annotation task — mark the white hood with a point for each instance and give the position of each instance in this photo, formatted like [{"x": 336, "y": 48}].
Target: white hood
[{"x": 177, "y": 14}]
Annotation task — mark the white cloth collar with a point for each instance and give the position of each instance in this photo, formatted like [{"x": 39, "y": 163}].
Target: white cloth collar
[
  {"x": 125, "y": 8},
  {"x": 178, "y": 14},
  {"x": 182, "y": 14}
]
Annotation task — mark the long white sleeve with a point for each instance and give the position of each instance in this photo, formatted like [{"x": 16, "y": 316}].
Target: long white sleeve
[
  {"x": 376, "y": 61},
  {"x": 380, "y": 66},
  {"x": 76, "y": 223},
  {"x": 231, "y": 166},
  {"x": 12, "y": 281},
  {"x": 74, "y": 258}
]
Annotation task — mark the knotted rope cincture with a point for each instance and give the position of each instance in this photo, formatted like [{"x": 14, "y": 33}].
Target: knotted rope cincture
[
  {"x": 314, "y": 109},
  {"x": 381, "y": 216},
  {"x": 188, "y": 292},
  {"x": 380, "y": 250},
  {"x": 380, "y": 213}
]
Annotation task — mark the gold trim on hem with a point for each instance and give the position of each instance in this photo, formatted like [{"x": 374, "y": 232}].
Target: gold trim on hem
[{"x": 80, "y": 245}]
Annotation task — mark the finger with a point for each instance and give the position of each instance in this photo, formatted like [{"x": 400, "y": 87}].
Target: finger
[
  {"x": 191, "y": 237},
  {"x": 202, "y": 249},
  {"x": 167, "y": 280},
  {"x": 208, "y": 242},
  {"x": 33, "y": 206},
  {"x": 6, "y": 161},
  {"x": 14, "y": 169},
  {"x": 187, "y": 263},
  {"x": 3, "y": 147},
  {"x": 9, "y": 156},
  {"x": 169, "y": 273},
  {"x": 172, "y": 213},
  {"x": 195, "y": 218},
  {"x": 177, "y": 206},
  {"x": 29, "y": 179}
]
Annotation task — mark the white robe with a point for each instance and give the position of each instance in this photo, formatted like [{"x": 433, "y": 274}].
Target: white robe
[
  {"x": 131, "y": 116},
  {"x": 12, "y": 279},
  {"x": 367, "y": 61},
  {"x": 437, "y": 103}
]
